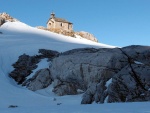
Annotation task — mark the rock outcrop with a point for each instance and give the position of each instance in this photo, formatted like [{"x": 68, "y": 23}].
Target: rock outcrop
[
  {"x": 95, "y": 68},
  {"x": 40, "y": 80},
  {"x": 44, "y": 53},
  {"x": 73, "y": 34},
  {"x": 23, "y": 67},
  {"x": 104, "y": 75},
  {"x": 2, "y": 21},
  {"x": 88, "y": 69},
  {"x": 26, "y": 64},
  {"x": 131, "y": 84},
  {"x": 7, "y": 17},
  {"x": 87, "y": 35}
]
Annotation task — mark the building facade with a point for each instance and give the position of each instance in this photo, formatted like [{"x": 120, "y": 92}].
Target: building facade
[{"x": 59, "y": 23}]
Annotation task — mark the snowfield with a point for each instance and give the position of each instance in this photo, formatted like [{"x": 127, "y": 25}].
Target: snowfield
[{"x": 18, "y": 38}]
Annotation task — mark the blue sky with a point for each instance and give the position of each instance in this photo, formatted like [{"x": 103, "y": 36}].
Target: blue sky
[{"x": 114, "y": 22}]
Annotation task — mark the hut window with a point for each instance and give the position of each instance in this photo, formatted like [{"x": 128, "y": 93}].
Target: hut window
[{"x": 61, "y": 24}]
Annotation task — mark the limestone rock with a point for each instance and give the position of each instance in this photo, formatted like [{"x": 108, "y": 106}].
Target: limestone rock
[
  {"x": 130, "y": 85},
  {"x": 72, "y": 34},
  {"x": 7, "y": 17},
  {"x": 93, "y": 66},
  {"x": 40, "y": 80},
  {"x": 104, "y": 75},
  {"x": 138, "y": 53},
  {"x": 87, "y": 35},
  {"x": 90, "y": 70},
  {"x": 2, "y": 21},
  {"x": 64, "y": 88}
]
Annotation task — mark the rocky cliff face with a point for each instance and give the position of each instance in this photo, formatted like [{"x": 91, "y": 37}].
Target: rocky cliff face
[{"x": 104, "y": 75}]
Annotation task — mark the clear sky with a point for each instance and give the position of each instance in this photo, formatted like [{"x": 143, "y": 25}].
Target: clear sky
[{"x": 114, "y": 22}]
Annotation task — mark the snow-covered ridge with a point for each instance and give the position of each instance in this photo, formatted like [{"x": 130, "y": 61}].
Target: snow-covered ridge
[{"x": 19, "y": 27}]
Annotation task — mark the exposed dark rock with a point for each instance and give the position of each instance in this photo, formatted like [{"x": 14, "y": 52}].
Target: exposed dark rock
[
  {"x": 48, "y": 53},
  {"x": 64, "y": 88},
  {"x": 138, "y": 53},
  {"x": 23, "y": 67},
  {"x": 81, "y": 50},
  {"x": 12, "y": 106},
  {"x": 40, "y": 80},
  {"x": 2, "y": 21},
  {"x": 89, "y": 69},
  {"x": 59, "y": 103},
  {"x": 82, "y": 67},
  {"x": 126, "y": 88}
]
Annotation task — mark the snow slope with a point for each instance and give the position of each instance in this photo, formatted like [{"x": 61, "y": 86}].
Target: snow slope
[{"x": 19, "y": 38}]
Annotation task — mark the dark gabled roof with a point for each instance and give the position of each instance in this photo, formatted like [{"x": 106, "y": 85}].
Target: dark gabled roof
[{"x": 60, "y": 20}]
